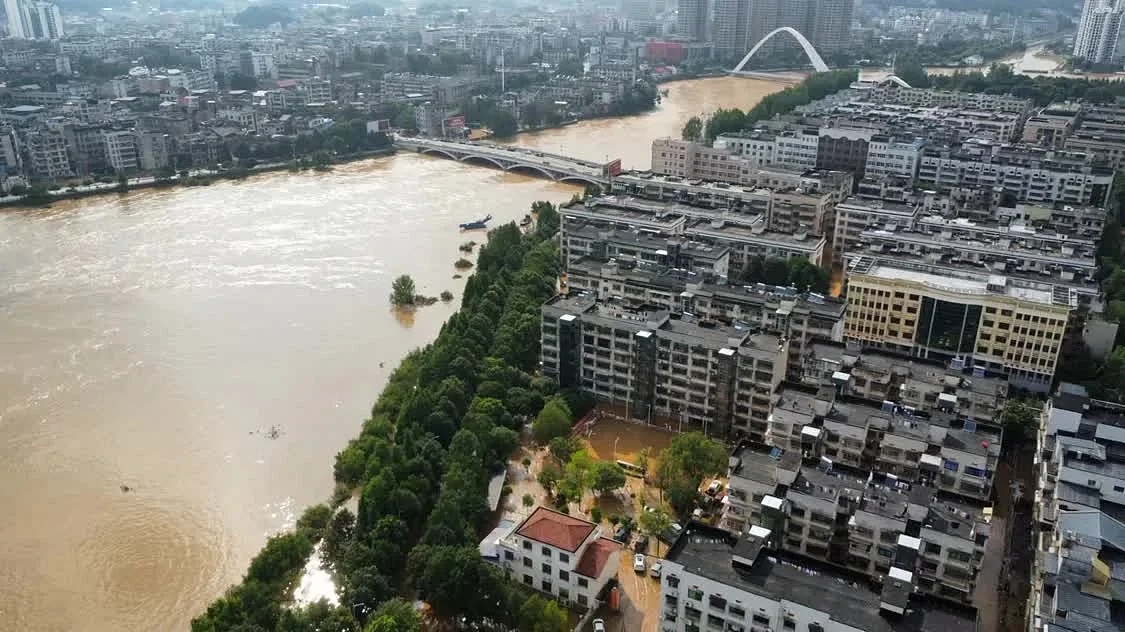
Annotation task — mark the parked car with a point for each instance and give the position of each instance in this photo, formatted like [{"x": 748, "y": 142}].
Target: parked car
[
  {"x": 622, "y": 534},
  {"x": 639, "y": 565},
  {"x": 697, "y": 514},
  {"x": 641, "y": 545},
  {"x": 715, "y": 487},
  {"x": 655, "y": 569},
  {"x": 599, "y": 625}
]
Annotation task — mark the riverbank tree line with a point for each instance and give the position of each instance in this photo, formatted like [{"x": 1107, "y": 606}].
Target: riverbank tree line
[{"x": 445, "y": 423}]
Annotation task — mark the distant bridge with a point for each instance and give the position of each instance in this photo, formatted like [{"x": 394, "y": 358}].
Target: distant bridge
[
  {"x": 516, "y": 159},
  {"x": 814, "y": 57}
]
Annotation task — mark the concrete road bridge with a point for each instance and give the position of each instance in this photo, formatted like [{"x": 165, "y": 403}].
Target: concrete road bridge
[{"x": 515, "y": 159}]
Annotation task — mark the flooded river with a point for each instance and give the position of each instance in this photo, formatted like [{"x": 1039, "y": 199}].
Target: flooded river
[{"x": 179, "y": 367}]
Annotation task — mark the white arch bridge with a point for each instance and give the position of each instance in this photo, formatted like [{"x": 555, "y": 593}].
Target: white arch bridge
[
  {"x": 516, "y": 159},
  {"x": 814, "y": 57}
]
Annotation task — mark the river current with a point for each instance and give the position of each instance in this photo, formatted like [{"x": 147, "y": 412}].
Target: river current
[{"x": 179, "y": 367}]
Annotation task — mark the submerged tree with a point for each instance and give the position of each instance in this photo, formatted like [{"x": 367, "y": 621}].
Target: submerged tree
[{"x": 402, "y": 291}]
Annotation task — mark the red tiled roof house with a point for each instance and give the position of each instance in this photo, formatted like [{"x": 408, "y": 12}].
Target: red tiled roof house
[{"x": 560, "y": 555}]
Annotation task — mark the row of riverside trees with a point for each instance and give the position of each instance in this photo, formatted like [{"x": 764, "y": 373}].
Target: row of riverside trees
[
  {"x": 723, "y": 121},
  {"x": 446, "y": 422}
]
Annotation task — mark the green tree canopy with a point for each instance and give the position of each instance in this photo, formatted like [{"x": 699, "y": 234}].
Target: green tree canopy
[
  {"x": 402, "y": 291},
  {"x": 552, "y": 422}
]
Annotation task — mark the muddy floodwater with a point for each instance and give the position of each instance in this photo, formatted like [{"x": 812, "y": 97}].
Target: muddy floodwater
[{"x": 178, "y": 368}]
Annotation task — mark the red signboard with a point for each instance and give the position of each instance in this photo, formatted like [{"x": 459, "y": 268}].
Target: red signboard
[
  {"x": 613, "y": 168},
  {"x": 455, "y": 122}
]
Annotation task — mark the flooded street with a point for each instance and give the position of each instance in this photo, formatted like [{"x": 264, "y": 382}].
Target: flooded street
[{"x": 180, "y": 367}]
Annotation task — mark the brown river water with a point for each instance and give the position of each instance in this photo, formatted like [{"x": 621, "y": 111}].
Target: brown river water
[{"x": 210, "y": 350}]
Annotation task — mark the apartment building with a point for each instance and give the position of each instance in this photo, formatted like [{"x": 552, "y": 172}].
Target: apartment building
[
  {"x": 1014, "y": 248},
  {"x": 662, "y": 367},
  {"x": 637, "y": 247},
  {"x": 855, "y": 215},
  {"x": 121, "y": 150},
  {"x": 562, "y": 556},
  {"x": 687, "y": 159},
  {"x": 1101, "y": 133},
  {"x": 889, "y": 156},
  {"x": 843, "y": 149},
  {"x": 1052, "y": 125},
  {"x": 1076, "y": 581},
  {"x": 716, "y": 580},
  {"x": 49, "y": 159},
  {"x": 744, "y": 199},
  {"x": 800, "y": 318},
  {"x": 889, "y": 92},
  {"x": 997, "y": 323},
  {"x": 742, "y": 232},
  {"x": 799, "y": 210},
  {"x": 1028, "y": 174}
]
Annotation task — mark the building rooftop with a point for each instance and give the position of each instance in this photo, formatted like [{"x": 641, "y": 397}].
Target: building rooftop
[
  {"x": 556, "y": 529},
  {"x": 595, "y": 557},
  {"x": 849, "y": 599}
]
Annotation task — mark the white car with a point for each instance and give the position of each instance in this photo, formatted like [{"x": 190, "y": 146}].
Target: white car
[
  {"x": 655, "y": 570},
  {"x": 599, "y": 625},
  {"x": 639, "y": 565},
  {"x": 715, "y": 487}
]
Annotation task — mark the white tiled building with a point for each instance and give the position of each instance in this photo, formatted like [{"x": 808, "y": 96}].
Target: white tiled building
[{"x": 560, "y": 555}]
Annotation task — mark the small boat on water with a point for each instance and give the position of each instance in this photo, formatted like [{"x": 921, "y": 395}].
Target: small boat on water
[{"x": 477, "y": 224}]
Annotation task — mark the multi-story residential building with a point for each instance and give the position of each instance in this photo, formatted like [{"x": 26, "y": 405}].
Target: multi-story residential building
[
  {"x": 888, "y": 156},
  {"x": 662, "y": 367},
  {"x": 855, "y": 215},
  {"x": 636, "y": 247},
  {"x": 686, "y": 159},
  {"x": 33, "y": 19},
  {"x": 691, "y": 19},
  {"x": 747, "y": 241},
  {"x": 446, "y": 91},
  {"x": 832, "y": 25},
  {"x": 801, "y": 210},
  {"x": 1052, "y": 125},
  {"x": 800, "y": 318},
  {"x": 731, "y": 19},
  {"x": 1028, "y": 174},
  {"x": 1099, "y": 31},
  {"x": 11, "y": 158},
  {"x": 49, "y": 159},
  {"x": 560, "y": 555},
  {"x": 843, "y": 149},
  {"x": 121, "y": 150},
  {"x": 713, "y": 579},
  {"x": 1080, "y": 508},
  {"x": 997, "y": 323},
  {"x": 153, "y": 150},
  {"x": 889, "y": 92},
  {"x": 1101, "y": 132}
]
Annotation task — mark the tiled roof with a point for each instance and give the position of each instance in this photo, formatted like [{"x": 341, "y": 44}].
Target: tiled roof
[
  {"x": 556, "y": 529},
  {"x": 595, "y": 556}
]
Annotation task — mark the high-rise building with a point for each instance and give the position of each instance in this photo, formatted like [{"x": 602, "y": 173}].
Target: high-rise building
[
  {"x": 1099, "y": 31},
  {"x": 732, "y": 21},
  {"x": 831, "y": 25},
  {"x": 691, "y": 19},
  {"x": 38, "y": 19}
]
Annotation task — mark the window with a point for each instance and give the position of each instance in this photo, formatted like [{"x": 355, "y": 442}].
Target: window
[
  {"x": 508, "y": 555},
  {"x": 933, "y": 548},
  {"x": 673, "y": 581},
  {"x": 582, "y": 601},
  {"x": 564, "y": 593},
  {"x": 1119, "y": 489},
  {"x": 563, "y": 575},
  {"x": 546, "y": 568},
  {"x": 546, "y": 552},
  {"x": 717, "y": 602},
  {"x": 695, "y": 594},
  {"x": 760, "y": 619},
  {"x": 563, "y": 557},
  {"x": 789, "y": 624},
  {"x": 583, "y": 582},
  {"x": 527, "y": 562},
  {"x": 737, "y": 611},
  {"x": 527, "y": 579},
  {"x": 526, "y": 545},
  {"x": 546, "y": 586}
]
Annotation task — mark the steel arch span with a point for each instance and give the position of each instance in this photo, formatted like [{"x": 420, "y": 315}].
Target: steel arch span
[{"x": 814, "y": 57}]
